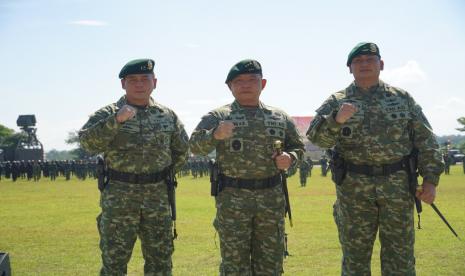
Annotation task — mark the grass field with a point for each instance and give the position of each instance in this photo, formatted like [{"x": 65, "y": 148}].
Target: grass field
[{"x": 49, "y": 228}]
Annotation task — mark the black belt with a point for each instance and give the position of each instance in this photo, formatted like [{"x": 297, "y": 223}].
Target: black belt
[
  {"x": 135, "y": 178},
  {"x": 250, "y": 184},
  {"x": 384, "y": 170}
]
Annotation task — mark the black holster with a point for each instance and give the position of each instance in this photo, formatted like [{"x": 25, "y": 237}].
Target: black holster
[
  {"x": 338, "y": 167},
  {"x": 171, "y": 184},
  {"x": 411, "y": 163},
  {"x": 214, "y": 178},
  {"x": 102, "y": 174}
]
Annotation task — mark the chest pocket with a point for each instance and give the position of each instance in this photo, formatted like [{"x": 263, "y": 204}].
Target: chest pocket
[
  {"x": 275, "y": 129},
  {"x": 127, "y": 136},
  {"x": 160, "y": 129},
  {"x": 275, "y": 125},
  {"x": 397, "y": 117},
  {"x": 352, "y": 128}
]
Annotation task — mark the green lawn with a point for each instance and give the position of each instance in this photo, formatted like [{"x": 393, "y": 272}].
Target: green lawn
[{"x": 49, "y": 229}]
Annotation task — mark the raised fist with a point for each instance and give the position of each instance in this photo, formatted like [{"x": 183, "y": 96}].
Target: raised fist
[
  {"x": 346, "y": 111},
  {"x": 125, "y": 113},
  {"x": 224, "y": 130}
]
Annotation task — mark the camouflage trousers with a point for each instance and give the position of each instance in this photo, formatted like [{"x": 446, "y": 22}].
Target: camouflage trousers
[
  {"x": 130, "y": 211},
  {"x": 250, "y": 224},
  {"x": 365, "y": 204}
]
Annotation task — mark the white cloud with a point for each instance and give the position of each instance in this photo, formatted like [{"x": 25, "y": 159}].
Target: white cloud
[
  {"x": 410, "y": 73},
  {"x": 91, "y": 23}
]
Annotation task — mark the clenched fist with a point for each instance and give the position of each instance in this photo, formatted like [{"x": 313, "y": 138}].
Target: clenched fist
[
  {"x": 125, "y": 113},
  {"x": 427, "y": 193},
  {"x": 283, "y": 161},
  {"x": 346, "y": 111},
  {"x": 224, "y": 130}
]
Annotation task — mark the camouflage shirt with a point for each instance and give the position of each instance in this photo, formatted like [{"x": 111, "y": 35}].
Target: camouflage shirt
[
  {"x": 385, "y": 128},
  {"x": 147, "y": 143},
  {"x": 247, "y": 154}
]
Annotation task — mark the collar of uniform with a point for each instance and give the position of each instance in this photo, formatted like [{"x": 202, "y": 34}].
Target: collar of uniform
[
  {"x": 123, "y": 100},
  {"x": 237, "y": 106},
  {"x": 355, "y": 90}
]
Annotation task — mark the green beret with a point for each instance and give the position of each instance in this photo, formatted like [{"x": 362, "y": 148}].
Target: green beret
[
  {"x": 137, "y": 66},
  {"x": 246, "y": 66},
  {"x": 363, "y": 48}
]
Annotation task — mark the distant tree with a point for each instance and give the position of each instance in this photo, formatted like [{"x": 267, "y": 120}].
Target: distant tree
[
  {"x": 462, "y": 147},
  {"x": 5, "y": 133},
  {"x": 10, "y": 138},
  {"x": 461, "y": 121},
  {"x": 73, "y": 139},
  {"x": 60, "y": 155}
]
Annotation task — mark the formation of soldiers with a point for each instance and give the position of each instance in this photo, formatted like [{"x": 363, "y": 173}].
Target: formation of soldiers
[
  {"x": 35, "y": 170},
  {"x": 305, "y": 171},
  {"x": 197, "y": 166}
]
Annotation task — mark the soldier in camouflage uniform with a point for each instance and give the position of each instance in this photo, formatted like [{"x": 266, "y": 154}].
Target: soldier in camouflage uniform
[
  {"x": 447, "y": 161},
  {"x": 53, "y": 169},
  {"x": 36, "y": 171},
  {"x": 141, "y": 140},
  {"x": 304, "y": 167},
  {"x": 250, "y": 204},
  {"x": 310, "y": 166},
  {"x": 324, "y": 165},
  {"x": 67, "y": 170},
  {"x": 374, "y": 126}
]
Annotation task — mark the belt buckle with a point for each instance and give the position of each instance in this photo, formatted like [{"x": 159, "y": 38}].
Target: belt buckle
[{"x": 377, "y": 170}]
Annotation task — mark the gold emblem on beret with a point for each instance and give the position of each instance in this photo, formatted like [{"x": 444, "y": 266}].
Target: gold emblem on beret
[
  {"x": 149, "y": 65},
  {"x": 373, "y": 47}
]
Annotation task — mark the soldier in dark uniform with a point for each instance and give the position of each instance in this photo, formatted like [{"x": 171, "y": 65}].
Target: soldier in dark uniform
[
  {"x": 324, "y": 165},
  {"x": 53, "y": 170},
  {"x": 8, "y": 166},
  {"x": 15, "y": 170},
  {"x": 67, "y": 170},
  {"x": 46, "y": 168},
  {"x": 29, "y": 170},
  {"x": 22, "y": 169},
  {"x": 36, "y": 171},
  {"x": 310, "y": 166},
  {"x": 447, "y": 162},
  {"x": 303, "y": 172}
]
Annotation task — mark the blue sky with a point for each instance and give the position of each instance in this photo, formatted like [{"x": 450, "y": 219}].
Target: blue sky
[{"x": 61, "y": 59}]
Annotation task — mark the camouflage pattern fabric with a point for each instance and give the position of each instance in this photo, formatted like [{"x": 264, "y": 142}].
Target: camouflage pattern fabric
[
  {"x": 147, "y": 143},
  {"x": 248, "y": 153},
  {"x": 131, "y": 210},
  {"x": 250, "y": 223},
  {"x": 387, "y": 125},
  {"x": 365, "y": 204},
  {"x": 304, "y": 169}
]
